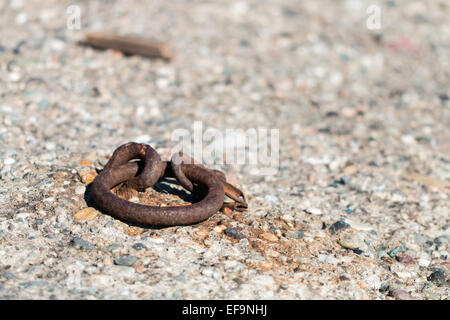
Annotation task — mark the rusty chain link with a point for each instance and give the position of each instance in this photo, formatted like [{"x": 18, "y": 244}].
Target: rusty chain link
[{"x": 194, "y": 177}]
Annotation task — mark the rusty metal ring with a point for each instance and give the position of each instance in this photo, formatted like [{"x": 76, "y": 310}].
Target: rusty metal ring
[
  {"x": 153, "y": 215},
  {"x": 119, "y": 172}
]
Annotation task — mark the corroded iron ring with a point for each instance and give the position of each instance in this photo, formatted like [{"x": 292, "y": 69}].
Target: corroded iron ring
[
  {"x": 153, "y": 215},
  {"x": 211, "y": 184}
]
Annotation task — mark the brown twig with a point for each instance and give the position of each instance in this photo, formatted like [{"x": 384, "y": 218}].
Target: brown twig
[{"x": 130, "y": 45}]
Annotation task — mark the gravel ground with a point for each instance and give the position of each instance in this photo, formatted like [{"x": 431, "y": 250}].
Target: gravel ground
[{"x": 359, "y": 208}]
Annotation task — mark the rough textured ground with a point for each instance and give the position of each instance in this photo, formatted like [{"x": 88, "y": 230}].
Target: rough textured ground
[{"x": 364, "y": 149}]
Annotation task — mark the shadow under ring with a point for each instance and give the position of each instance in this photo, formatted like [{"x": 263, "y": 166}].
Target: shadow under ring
[{"x": 153, "y": 215}]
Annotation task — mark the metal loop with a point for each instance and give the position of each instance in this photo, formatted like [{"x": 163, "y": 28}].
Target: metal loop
[{"x": 211, "y": 183}]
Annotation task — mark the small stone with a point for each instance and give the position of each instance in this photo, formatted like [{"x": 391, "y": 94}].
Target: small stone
[
  {"x": 113, "y": 247},
  {"x": 405, "y": 259},
  {"x": 273, "y": 253},
  {"x": 43, "y": 104},
  {"x": 344, "y": 278},
  {"x": 348, "y": 112},
  {"x": 287, "y": 218},
  {"x": 339, "y": 225},
  {"x": 232, "y": 232},
  {"x": 437, "y": 277},
  {"x": 314, "y": 211},
  {"x": 350, "y": 170},
  {"x": 202, "y": 232},
  {"x": 384, "y": 287},
  {"x": 352, "y": 241},
  {"x": 80, "y": 190},
  {"x": 401, "y": 294},
  {"x": 86, "y": 214},
  {"x": 268, "y": 236},
  {"x": 119, "y": 272},
  {"x": 21, "y": 18},
  {"x": 424, "y": 262},
  {"x": 139, "y": 246},
  {"x": 270, "y": 199},
  {"x": 80, "y": 243},
  {"x": 301, "y": 260},
  {"x": 8, "y": 161},
  {"x": 345, "y": 180},
  {"x": 125, "y": 260},
  {"x": 394, "y": 252},
  {"x": 408, "y": 139},
  {"x": 9, "y": 275},
  {"x": 266, "y": 266},
  {"x": 134, "y": 199},
  {"x": 50, "y": 146},
  {"x": 33, "y": 284},
  {"x": 87, "y": 176},
  {"x": 140, "y": 269},
  {"x": 294, "y": 235},
  {"x": 226, "y": 210},
  {"x": 15, "y": 76},
  {"x": 220, "y": 229},
  {"x": 441, "y": 240}
]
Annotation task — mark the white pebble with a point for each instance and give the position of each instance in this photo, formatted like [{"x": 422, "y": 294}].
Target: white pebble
[
  {"x": 8, "y": 161},
  {"x": 80, "y": 190},
  {"x": 57, "y": 45},
  {"x": 239, "y": 8},
  {"x": 156, "y": 240},
  {"x": 134, "y": 199},
  {"x": 50, "y": 146},
  {"x": 314, "y": 211},
  {"x": 408, "y": 139},
  {"x": 424, "y": 262},
  {"x": 270, "y": 199},
  {"x": 21, "y": 18},
  {"x": 16, "y": 4},
  {"x": 14, "y": 76}
]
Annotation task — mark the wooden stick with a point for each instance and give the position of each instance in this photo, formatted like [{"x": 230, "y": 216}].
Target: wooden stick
[{"x": 130, "y": 45}]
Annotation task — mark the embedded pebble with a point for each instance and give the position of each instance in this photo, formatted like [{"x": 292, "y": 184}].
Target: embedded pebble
[
  {"x": 220, "y": 229},
  {"x": 405, "y": 259},
  {"x": 339, "y": 225},
  {"x": 401, "y": 294},
  {"x": 87, "y": 176},
  {"x": 80, "y": 243},
  {"x": 28, "y": 284},
  {"x": 139, "y": 246},
  {"x": 437, "y": 276},
  {"x": 352, "y": 240},
  {"x": 86, "y": 214},
  {"x": 294, "y": 235},
  {"x": 80, "y": 190},
  {"x": 233, "y": 233},
  {"x": 269, "y": 237},
  {"x": 125, "y": 260},
  {"x": 314, "y": 211},
  {"x": 9, "y": 275}
]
